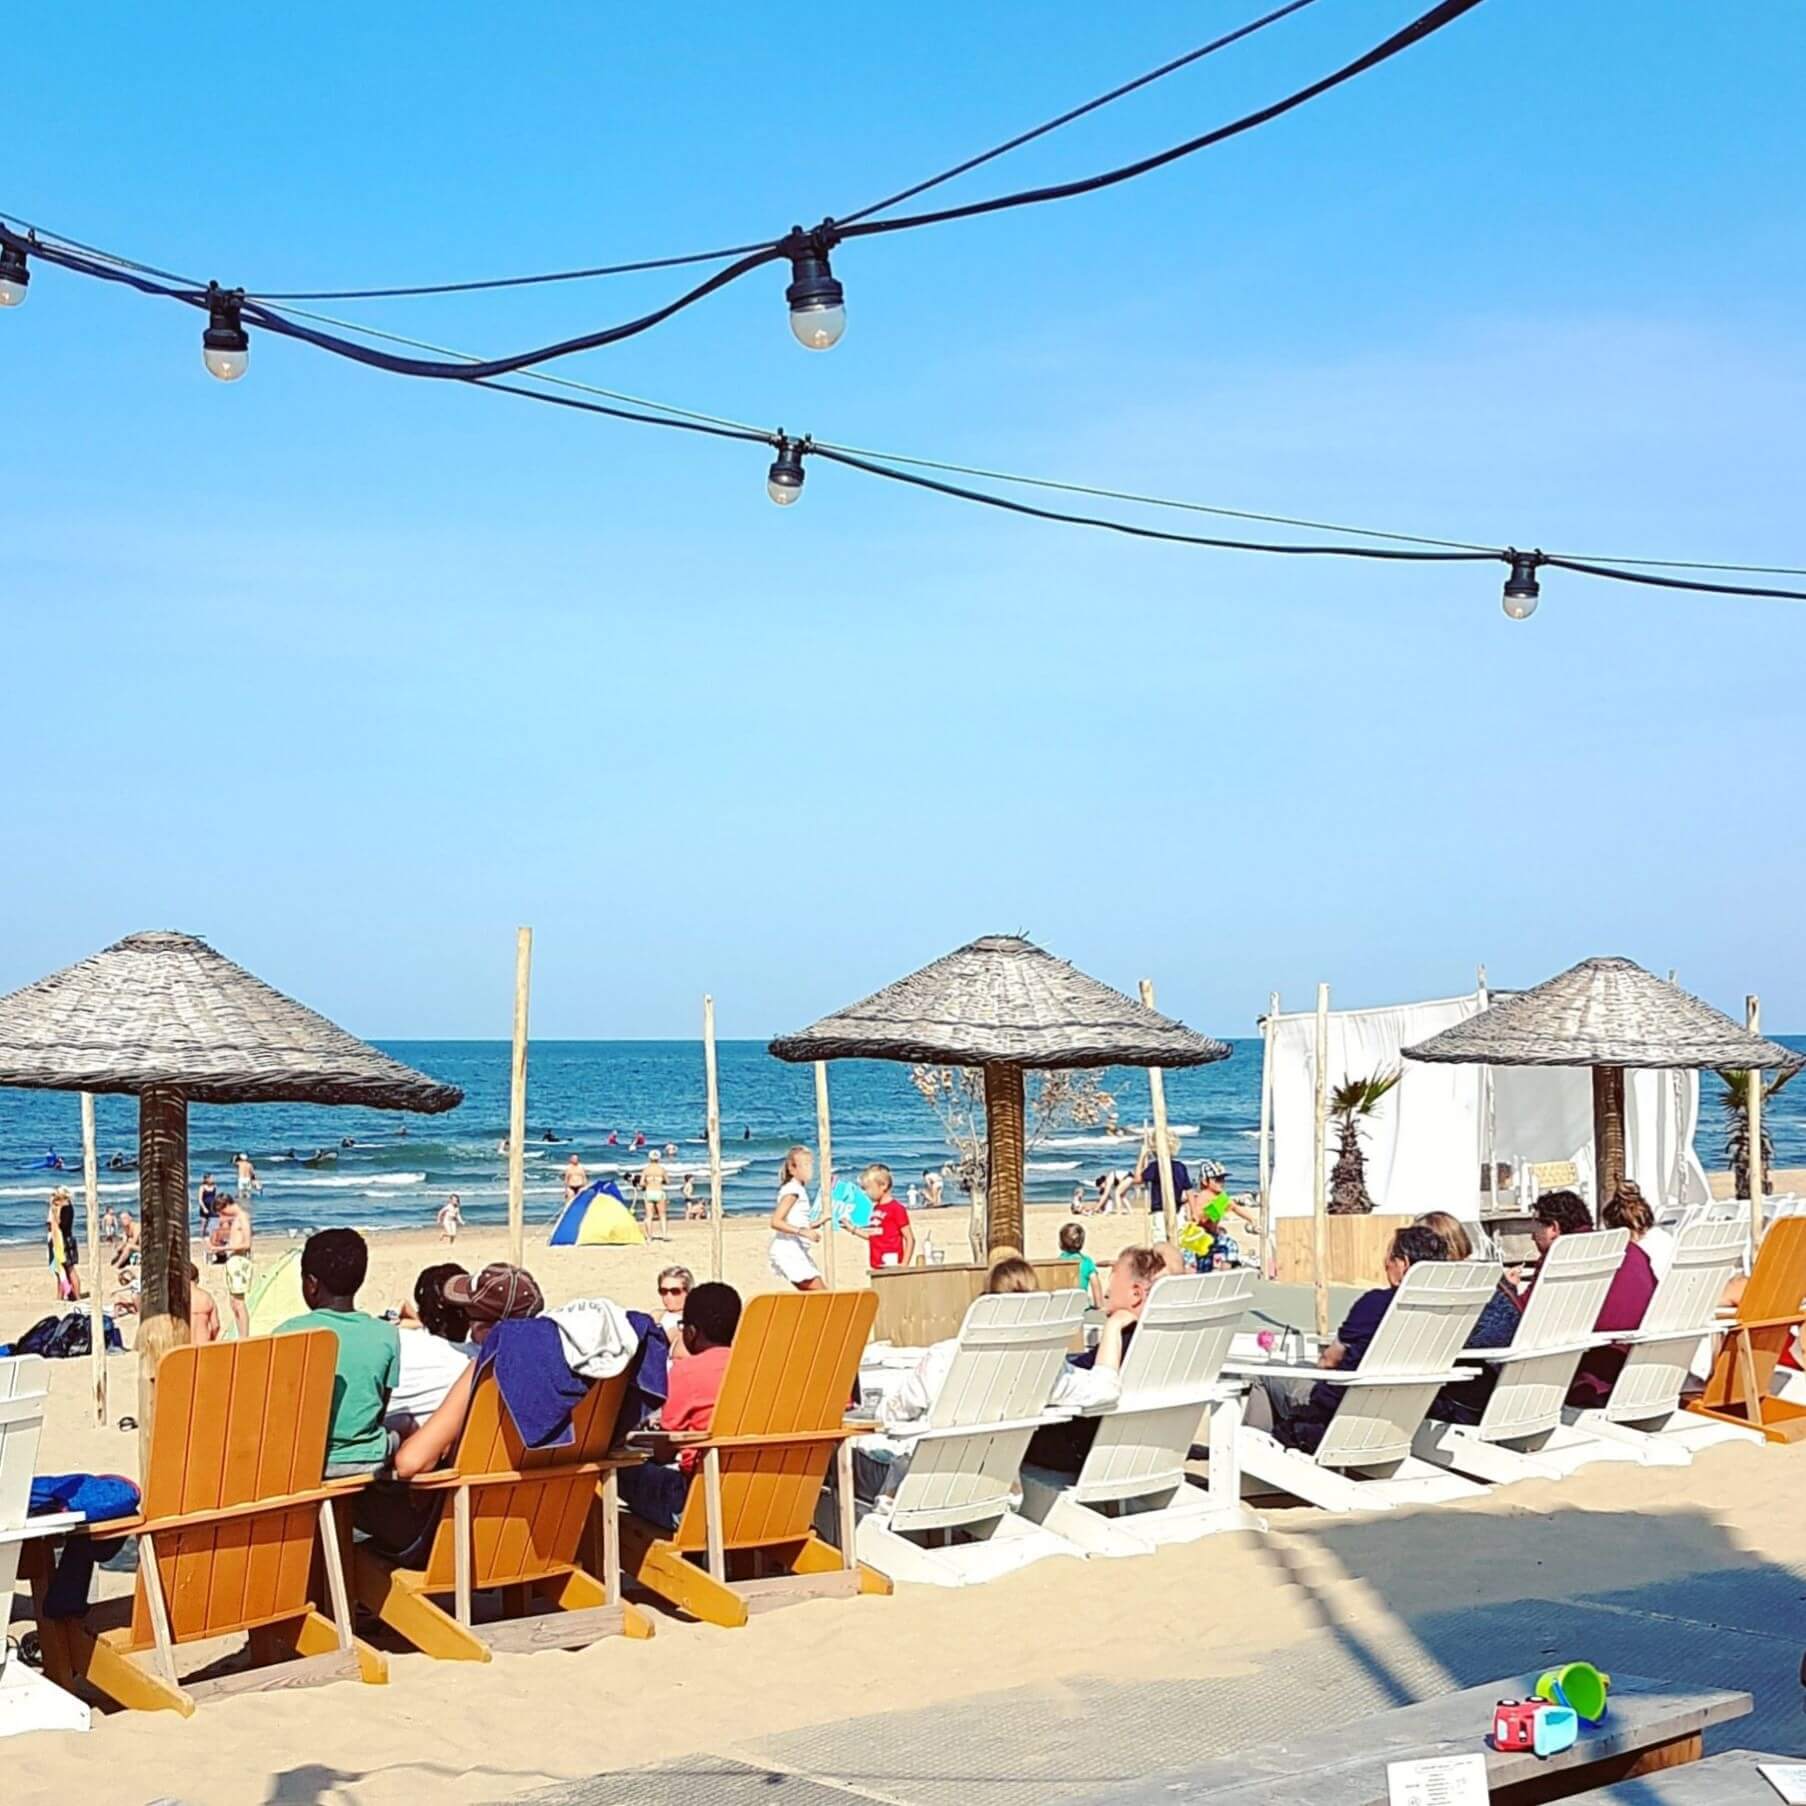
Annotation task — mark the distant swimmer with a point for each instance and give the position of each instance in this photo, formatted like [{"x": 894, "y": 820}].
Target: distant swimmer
[
  {"x": 501, "y": 1147},
  {"x": 746, "y": 1133},
  {"x": 614, "y": 1139},
  {"x": 53, "y": 1161},
  {"x": 247, "y": 1180},
  {"x": 639, "y": 1140},
  {"x": 347, "y": 1141},
  {"x": 548, "y": 1136},
  {"x": 670, "y": 1150}
]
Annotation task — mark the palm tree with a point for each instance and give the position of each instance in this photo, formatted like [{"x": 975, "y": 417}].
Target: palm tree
[
  {"x": 1350, "y": 1103},
  {"x": 1734, "y": 1100}
]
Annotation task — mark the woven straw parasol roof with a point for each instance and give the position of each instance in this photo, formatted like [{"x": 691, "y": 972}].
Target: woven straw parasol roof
[
  {"x": 1604, "y": 1012},
  {"x": 166, "y": 1010},
  {"x": 1001, "y": 999}
]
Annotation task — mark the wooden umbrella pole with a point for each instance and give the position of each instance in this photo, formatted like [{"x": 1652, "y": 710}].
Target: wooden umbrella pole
[
  {"x": 1319, "y": 1203},
  {"x": 517, "y": 1100},
  {"x": 1003, "y": 1157},
  {"x": 163, "y": 1240},
  {"x": 825, "y": 1134},
  {"x": 1269, "y": 1261},
  {"x": 1163, "y": 1145},
  {"x": 1608, "y": 1134},
  {"x": 1752, "y": 1016},
  {"x": 97, "y": 1337},
  {"x": 714, "y": 1095}
]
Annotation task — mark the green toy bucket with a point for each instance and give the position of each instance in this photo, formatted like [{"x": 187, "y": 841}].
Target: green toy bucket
[{"x": 1579, "y": 1685}]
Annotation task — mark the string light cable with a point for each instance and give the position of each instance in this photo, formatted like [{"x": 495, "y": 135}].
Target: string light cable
[
  {"x": 815, "y": 295},
  {"x": 785, "y": 480}
]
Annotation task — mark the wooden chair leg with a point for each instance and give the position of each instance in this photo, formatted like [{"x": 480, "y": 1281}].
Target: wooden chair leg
[
  {"x": 111, "y": 1671},
  {"x": 396, "y": 1600},
  {"x": 813, "y": 1556},
  {"x": 313, "y": 1635}
]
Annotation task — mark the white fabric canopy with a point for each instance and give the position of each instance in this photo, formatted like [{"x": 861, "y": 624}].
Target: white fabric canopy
[{"x": 1428, "y": 1141}]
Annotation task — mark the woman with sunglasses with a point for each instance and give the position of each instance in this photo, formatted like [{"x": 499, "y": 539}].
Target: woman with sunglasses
[{"x": 673, "y": 1288}]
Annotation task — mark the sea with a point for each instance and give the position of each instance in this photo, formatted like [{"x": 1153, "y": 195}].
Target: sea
[{"x": 380, "y": 1169}]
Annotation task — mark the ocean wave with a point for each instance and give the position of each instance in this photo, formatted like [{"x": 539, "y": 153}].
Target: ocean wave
[
  {"x": 73, "y": 1181},
  {"x": 351, "y": 1181},
  {"x": 1050, "y": 1166}
]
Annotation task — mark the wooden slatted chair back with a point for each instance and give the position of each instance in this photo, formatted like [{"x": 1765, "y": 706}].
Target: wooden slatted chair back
[
  {"x": 1706, "y": 1253},
  {"x": 531, "y": 1528},
  {"x": 1778, "y": 1280},
  {"x": 1575, "y": 1276},
  {"x": 24, "y": 1383},
  {"x": 794, "y": 1362},
  {"x": 1705, "y": 1256},
  {"x": 236, "y": 1423},
  {"x": 1011, "y": 1349},
  {"x": 1426, "y": 1325},
  {"x": 1175, "y": 1356}
]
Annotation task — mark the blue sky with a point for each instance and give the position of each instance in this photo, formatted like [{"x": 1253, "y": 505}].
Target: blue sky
[{"x": 352, "y": 674}]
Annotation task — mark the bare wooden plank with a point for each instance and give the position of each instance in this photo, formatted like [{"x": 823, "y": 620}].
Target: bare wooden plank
[
  {"x": 304, "y": 1671},
  {"x": 555, "y": 1630}
]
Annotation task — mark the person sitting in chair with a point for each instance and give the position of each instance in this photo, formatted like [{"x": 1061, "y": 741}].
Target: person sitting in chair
[{"x": 1298, "y": 1411}]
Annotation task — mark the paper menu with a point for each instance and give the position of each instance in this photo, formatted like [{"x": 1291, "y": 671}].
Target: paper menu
[
  {"x": 1788, "y": 1779},
  {"x": 1438, "y": 1781}
]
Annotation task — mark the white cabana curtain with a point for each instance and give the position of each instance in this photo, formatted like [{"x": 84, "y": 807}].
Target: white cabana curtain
[{"x": 1426, "y": 1146}]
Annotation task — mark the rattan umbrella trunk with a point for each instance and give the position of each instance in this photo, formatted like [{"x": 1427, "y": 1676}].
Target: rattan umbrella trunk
[
  {"x": 1611, "y": 1016},
  {"x": 1002, "y": 1005},
  {"x": 164, "y": 1018}
]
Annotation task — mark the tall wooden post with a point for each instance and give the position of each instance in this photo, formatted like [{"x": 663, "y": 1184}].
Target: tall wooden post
[
  {"x": 1608, "y": 1134},
  {"x": 1163, "y": 1146},
  {"x": 517, "y": 1100},
  {"x": 1319, "y": 1201},
  {"x": 1752, "y": 1016},
  {"x": 1269, "y": 1258},
  {"x": 1004, "y": 1111},
  {"x": 825, "y": 1135},
  {"x": 714, "y": 1095},
  {"x": 97, "y": 1328},
  {"x": 163, "y": 1240}
]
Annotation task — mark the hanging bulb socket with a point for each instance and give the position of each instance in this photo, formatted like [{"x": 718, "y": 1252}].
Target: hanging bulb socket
[
  {"x": 15, "y": 278},
  {"x": 784, "y": 480},
  {"x": 818, "y": 312},
  {"x": 225, "y": 345},
  {"x": 1521, "y": 587}
]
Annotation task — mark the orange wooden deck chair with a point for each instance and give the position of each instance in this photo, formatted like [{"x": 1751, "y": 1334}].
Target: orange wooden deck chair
[
  {"x": 1767, "y": 1316},
  {"x": 779, "y": 1421},
  {"x": 234, "y": 1511},
  {"x": 517, "y": 1523}
]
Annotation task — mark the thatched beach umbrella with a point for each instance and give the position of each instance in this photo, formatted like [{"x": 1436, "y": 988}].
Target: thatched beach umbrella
[
  {"x": 1003, "y": 1005},
  {"x": 1606, "y": 1014},
  {"x": 165, "y": 1018}
]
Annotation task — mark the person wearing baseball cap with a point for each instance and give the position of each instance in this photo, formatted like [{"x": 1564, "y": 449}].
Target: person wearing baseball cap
[
  {"x": 1204, "y": 1236},
  {"x": 496, "y": 1295}
]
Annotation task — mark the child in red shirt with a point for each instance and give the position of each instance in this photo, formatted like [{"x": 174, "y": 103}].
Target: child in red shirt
[
  {"x": 889, "y": 1239},
  {"x": 656, "y": 1490}
]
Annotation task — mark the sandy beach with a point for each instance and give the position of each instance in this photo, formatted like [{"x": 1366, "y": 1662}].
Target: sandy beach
[{"x": 1226, "y": 1606}]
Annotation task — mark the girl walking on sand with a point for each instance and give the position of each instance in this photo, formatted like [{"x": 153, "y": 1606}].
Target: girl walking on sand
[{"x": 793, "y": 1237}]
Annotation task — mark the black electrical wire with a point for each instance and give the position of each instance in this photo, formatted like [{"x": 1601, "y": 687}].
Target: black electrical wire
[
  {"x": 499, "y": 282},
  {"x": 1390, "y": 553},
  {"x": 749, "y": 257},
  {"x": 1711, "y": 589},
  {"x": 597, "y": 407},
  {"x": 1079, "y": 112},
  {"x": 1434, "y": 20}
]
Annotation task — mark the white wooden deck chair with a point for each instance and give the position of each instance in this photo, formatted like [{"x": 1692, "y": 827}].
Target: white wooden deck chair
[
  {"x": 1524, "y": 1413},
  {"x": 1365, "y": 1460},
  {"x": 1132, "y": 1493},
  {"x": 952, "y": 1519},
  {"x": 1642, "y": 1419},
  {"x": 28, "y": 1702}
]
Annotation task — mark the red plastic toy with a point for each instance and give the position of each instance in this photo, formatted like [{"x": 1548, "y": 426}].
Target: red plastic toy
[{"x": 1514, "y": 1723}]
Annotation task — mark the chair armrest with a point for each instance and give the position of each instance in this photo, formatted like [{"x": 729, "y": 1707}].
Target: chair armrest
[
  {"x": 1792, "y": 1321},
  {"x": 46, "y": 1523},
  {"x": 140, "y": 1525},
  {"x": 948, "y": 1431},
  {"x": 449, "y": 1479},
  {"x": 1574, "y": 1345},
  {"x": 1337, "y": 1377},
  {"x": 1692, "y": 1333},
  {"x": 777, "y": 1439},
  {"x": 1258, "y": 1370},
  {"x": 1213, "y": 1394}
]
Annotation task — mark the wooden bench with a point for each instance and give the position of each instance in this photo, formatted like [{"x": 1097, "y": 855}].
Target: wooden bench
[
  {"x": 1726, "y": 1780},
  {"x": 1652, "y": 1725}
]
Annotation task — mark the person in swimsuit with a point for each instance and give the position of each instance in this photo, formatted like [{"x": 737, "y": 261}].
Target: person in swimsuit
[
  {"x": 576, "y": 1177},
  {"x": 793, "y": 1236},
  {"x": 654, "y": 1194},
  {"x": 239, "y": 1271}
]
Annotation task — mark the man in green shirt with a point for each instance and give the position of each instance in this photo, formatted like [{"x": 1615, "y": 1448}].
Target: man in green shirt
[{"x": 333, "y": 1266}]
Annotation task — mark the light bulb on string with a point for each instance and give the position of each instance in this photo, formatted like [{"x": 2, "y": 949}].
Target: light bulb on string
[
  {"x": 784, "y": 480},
  {"x": 15, "y": 278},
  {"x": 1521, "y": 588},
  {"x": 225, "y": 345},
  {"x": 818, "y": 313}
]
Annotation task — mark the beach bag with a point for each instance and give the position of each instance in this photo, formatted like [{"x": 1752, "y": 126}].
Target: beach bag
[{"x": 36, "y": 1340}]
